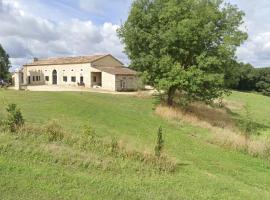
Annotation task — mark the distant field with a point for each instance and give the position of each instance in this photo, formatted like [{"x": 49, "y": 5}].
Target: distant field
[{"x": 33, "y": 168}]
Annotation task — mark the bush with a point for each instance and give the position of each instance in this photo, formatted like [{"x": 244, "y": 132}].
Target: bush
[
  {"x": 54, "y": 131},
  {"x": 90, "y": 132},
  {"x": 160, "y": 143},
  {"x": 15, "y": 119}
]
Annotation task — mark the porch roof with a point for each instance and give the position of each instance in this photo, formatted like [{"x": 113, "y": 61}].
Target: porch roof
[{"x": 117, "y": 70}]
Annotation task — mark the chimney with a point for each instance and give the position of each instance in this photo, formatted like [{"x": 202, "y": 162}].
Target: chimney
[{"x": 35, "y": 59}]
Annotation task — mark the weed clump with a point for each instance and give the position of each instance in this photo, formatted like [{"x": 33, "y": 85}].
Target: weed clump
[
  {"x": 114, "y": 145},
  {"x": 15, "y": 119},
  {"x": 90, "y": 132},
  {"x": 54, "y": 131}
]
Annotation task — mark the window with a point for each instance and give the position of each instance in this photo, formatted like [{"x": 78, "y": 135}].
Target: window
[
  {"x": 81, "y": 80},
  {"x": 46, "y": 78},
  {"x": 123, "y": 84},
  {"x": 81, "y": 70},
  {"x": 73, "y": 78},
  {"x": 64, "y": 78},
  {"x": 72, "y": 70},
  {"x": 95, "y": 79},
  {"x": 34, "y": 78}
]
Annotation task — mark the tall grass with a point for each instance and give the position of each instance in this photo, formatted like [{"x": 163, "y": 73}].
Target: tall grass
[
  {"x": 224, "y": 132},
  {"x": 85, "y": 149}
]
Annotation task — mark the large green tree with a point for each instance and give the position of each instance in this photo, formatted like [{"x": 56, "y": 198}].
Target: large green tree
[
  {"x": 4, "y": 63},
  {"x": 184, "y": 46}
]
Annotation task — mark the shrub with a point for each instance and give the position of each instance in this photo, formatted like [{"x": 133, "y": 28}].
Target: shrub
[
  {"x": 114, "y": 145},
  {"x": 249, "y": 125},
  {"x": 159, "y": 143},
  {"x": 54, "y": 131},
  {"x": 15, "y": 119},
  {"x": 90, "y": 132}
]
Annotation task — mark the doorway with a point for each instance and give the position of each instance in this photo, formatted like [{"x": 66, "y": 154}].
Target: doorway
[
  {"x": 81, "y": 80},
  {"x": 96, "y": 79}
]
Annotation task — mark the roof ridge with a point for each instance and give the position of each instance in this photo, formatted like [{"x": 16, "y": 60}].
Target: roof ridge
[
  {"x": 67, "y": 60},
  {"x": 64, "y": 57}
]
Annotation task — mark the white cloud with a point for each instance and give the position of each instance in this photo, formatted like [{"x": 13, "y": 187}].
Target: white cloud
[
  {"x": 26, "y": 32},
  {"x": 256, "y": 49},
  {"x": 25, "y": 36},
  {"x": 93, "y": 6},
  {"x": 102, "y": 6}
]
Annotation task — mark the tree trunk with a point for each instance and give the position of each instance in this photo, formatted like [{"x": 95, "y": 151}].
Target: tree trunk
[{"x": 171, "y": 93}]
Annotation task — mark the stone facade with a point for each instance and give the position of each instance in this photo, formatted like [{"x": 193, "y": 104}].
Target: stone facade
[{"x": 103, "y": 71}]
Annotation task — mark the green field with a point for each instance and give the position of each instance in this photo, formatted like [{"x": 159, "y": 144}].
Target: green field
[
  {"x": 33, "y": 168},
  {"x": 259, "y": 107}
]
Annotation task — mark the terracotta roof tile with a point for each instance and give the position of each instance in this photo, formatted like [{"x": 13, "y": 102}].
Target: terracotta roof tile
[{"x": 66, "y": 60}]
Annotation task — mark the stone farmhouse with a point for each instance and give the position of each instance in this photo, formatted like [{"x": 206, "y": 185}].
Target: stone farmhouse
[{"x": 95, "y": 71}]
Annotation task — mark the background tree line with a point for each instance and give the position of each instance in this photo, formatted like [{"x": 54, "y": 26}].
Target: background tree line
[
  {"x": 245, "y": 77},
  {"x": 4, "y": 64}
]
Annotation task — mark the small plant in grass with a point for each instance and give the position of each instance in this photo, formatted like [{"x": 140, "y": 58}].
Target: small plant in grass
[
  {"x": 159, "y": 143},
  {"x": 54, "y": 131},
  {"x": 248, "y": 125},
  {"x": 15, "y": 119},
  {"x": 90, "y": 132},
  {"x": 114, "y": 145}
]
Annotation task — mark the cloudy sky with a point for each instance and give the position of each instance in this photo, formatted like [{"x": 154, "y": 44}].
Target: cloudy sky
[{"x": 49, "y": 28}]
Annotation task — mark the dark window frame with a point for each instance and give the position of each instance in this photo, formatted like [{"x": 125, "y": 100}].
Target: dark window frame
[{"x": 73, "y": 79}]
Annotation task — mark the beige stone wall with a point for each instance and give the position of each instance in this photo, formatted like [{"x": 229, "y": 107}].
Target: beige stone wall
[
  {"x": 108, "y": 81},
  {"x": 16, "y": 78},
  {"x": 126, "y": 82},
  {"x": 70, "y": 70},
  {"x": 107, "y": 61}
]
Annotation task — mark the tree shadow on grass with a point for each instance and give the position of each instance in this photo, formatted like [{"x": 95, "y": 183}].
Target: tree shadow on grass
[{"x": 240, "y": 122}]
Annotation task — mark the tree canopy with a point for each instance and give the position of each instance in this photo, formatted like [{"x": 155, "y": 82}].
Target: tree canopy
[
  {"x": 184, "y": 46},
  {"x": 4, "y": 64}
]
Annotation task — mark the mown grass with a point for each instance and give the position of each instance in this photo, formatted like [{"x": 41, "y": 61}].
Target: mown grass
[
  {"x": 259, "y": 106},
  {"x": 33, "y": 168}
]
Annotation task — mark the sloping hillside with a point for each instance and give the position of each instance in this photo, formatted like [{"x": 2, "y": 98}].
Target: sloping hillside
[
  {"x": 259, "y": 107},
  {"x": 32, "y": 167}
]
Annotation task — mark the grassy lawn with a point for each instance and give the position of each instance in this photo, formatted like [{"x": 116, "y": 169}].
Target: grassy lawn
[
  {"x": 259, "y": 107},
  {"x": 30, "y": 169}
]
